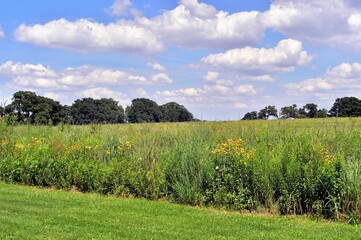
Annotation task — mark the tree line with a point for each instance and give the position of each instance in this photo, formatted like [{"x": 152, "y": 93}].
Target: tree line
[
  {"x": 27, "y": 107},
  {"x": 342, "y": 107}
]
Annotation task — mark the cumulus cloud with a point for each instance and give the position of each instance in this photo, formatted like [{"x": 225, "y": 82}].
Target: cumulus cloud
[
  {"x": 284, "y": 57},
  {"x": 86, "y": 35},
  {"x": 213, "y": 77},
  {"x": 344, "y": 78},
  {"x": 156, "y": 66},
  {"x": 19, "y": 69},
  {"x": 161, "y": 78},
  {"x": 191, "y": 24},
  {"x": 39, "y": 76},
  {"x": 247, "y": 89},
  {"x": 333, "y": 23},
  {"x": 121, "y": 8},
  {"x": 200, "y": 10},
  {"x": 2, "y": 34},
  {"x": 197, "y": 25}
]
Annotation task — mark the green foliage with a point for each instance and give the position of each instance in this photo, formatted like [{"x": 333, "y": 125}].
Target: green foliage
[
  {"x": 143, "y": 110},
  {"x": 89, "y": 110},
  {"x": 346, "y": 107},
  {"x": 290, "y": 167},
  {"x": 266, "y": 112},
  {"x": 173, "y": 112}
]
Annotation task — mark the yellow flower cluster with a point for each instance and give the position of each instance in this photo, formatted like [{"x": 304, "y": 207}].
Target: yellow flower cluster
[
  {"x": 3, "y": 143},
  {"x": 234, "y": 147},
  {"x": 128, "y": 144},
  {"x": 326, "y": 156}
]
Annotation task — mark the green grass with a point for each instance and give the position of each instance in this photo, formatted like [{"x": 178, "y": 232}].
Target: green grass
[
  {"x": 33, "y": 213},
  {"x": 302, "y": 166}
]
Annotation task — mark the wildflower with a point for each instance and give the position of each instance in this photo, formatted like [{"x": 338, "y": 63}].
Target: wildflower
[
  {"x": 3, "y": 143},
  {"x": 128, "y": 144},
  {"x": 107, "y": 152},
  {"x": 326, "y": 156}
]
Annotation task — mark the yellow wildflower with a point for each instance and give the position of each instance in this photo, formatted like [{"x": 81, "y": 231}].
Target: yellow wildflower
[
  {"x": 128, "y": 144},
  {"x": 326, "y": 156}
]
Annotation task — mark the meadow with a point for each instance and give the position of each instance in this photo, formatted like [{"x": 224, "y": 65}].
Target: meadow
[{"x": 287, "y": 167}]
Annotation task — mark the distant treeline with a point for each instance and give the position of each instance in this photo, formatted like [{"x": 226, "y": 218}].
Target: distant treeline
[
  {"x": 27, "y": 107},
  {"x": 343, "y": 107}
]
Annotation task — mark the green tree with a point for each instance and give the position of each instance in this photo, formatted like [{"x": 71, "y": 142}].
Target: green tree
[
  {"x": 89, "y": 110},
  {"x": 346, "y": 107},
  {"x": 143, "y": 110},
  {"x": 250, "y": 116},
  {"x": 290, "y": 112},
  {"x": 322, "y": 113},
  {"x": 268, "y": 111},
  {"x": 174, "y": 112},
  {"x": 311, "y": 110},
  {"x": 31, "y": 108}
]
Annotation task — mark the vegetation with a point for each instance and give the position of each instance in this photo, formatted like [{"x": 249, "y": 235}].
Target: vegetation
[
  {"x": 32, "y": 109},
  {"x": 343, "y": 107},
  {"x": 287, "y": 167},
  {"x": 30, "y": 213}
]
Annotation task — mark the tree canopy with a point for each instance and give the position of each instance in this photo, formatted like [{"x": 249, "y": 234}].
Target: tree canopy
[
  {"x": 89, "y": 110},
  {"x": 174, "y": 112},
  {"x": 31, "y": 108}
]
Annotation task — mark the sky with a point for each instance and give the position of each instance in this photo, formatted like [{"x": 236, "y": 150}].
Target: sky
[{"x": 220, "y": 59}]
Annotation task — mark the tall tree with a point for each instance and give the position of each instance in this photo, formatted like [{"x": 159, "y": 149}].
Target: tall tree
[
  {"x": 143, "y": 110},
  {"x": 174, "y": 112},
  {"x": 89, "y": 110},
  {"x": 268, "y": 111},
  {"x": 31, "y": 108},
  {"x": 290, "y": 112},
  {"x": 250, "y": 116},
  {"x": 311, "y": 110},
  {"x": 346, "y": 107}
]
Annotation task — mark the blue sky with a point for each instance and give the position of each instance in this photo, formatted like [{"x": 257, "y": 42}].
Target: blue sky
[{"x": 220, "y": 59}]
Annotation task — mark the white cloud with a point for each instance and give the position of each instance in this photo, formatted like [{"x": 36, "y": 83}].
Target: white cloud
[
  {"x": 2, "y": 34},
  {"x": 246, "y": 89},
  {"x": 310, "y": 85},
  {"x": 343, "y": 80},
  {"x": 101, "y": 92},
  {"x": 19, "y": 69},
  {"x": 213, "y": 77},
  {"x": 284, "y": 57},
  {"x": 197, "y": 25},
  {"x": 333, "y": 23},
  {"x": 55, "y": 96},
  {"x": 200, "y": 10},
  {"x": 261, "y": 78},
  {"x": 85, "y": 35},
  {"x": 156, "y": 66},
  {"x": 184, "y": 92},
  {"x": 29, "y": 75},
  {"x": 191, "y": 24},
  {"x": 240, "y": 105},
  {"x": 161, "y": 78},
  {"x": 121, "y": 8}
]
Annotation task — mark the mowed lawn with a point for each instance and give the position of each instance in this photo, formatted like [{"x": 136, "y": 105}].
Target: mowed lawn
[{"x": 33, "y": 213}]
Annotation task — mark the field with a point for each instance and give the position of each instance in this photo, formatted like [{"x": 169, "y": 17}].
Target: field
[
  {"x": 310, "y": 166},
  {"x": 32, "y": 213}
]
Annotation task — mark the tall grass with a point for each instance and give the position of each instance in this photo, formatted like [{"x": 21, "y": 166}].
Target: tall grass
[{"x": 285, "y": 166}]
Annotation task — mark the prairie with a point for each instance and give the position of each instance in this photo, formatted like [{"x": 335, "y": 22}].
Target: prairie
[{"x": 304, "y": 166}]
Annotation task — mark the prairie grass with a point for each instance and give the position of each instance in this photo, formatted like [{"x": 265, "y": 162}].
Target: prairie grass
[{"x": 305, "y": 166}]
